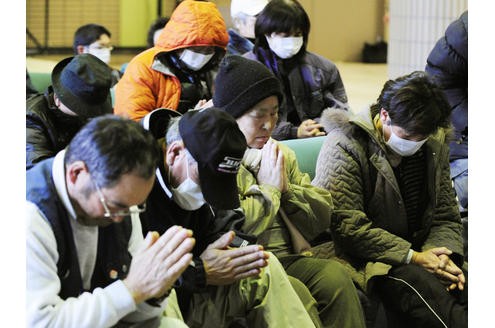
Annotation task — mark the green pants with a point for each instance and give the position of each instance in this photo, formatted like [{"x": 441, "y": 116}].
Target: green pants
[
  {"x": 332, "y": 288},
  {"x": 265, "y": 301}
]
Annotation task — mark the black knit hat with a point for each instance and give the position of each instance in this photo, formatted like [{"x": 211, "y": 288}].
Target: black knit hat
[
  {"x": 241, "y": 83},
  {"x": 82, "y": 83}
]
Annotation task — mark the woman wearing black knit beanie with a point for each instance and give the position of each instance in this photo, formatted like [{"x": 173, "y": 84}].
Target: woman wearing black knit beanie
[{"x": 281, "y": 206}]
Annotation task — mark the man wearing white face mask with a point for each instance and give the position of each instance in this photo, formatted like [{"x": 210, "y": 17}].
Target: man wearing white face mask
[
  {"x": 310, "y": 82},
  {"x": 177, "y": 73},
  {"x": 196, "y": 188},
  {"x": 397, "y": 226},
  {"x": 96, "y": 40}
]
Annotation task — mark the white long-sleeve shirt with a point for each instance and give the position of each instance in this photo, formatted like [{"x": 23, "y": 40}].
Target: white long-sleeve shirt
[{"x": 104, "y": 307}]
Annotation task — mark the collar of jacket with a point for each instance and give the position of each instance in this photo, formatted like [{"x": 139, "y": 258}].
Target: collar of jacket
[{"x": 372, "y": 127}]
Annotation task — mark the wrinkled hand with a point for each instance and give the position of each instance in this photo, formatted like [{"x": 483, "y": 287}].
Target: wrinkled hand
[
  {"x": 309, "y": 128},
  {"x": 224, "y": 265},
  {"x": 159, "y": 262},
  {"x": 451, "y": 274},
  {"x": 203, "y": 103},
  {"x": 272, "y": 167},
  {"x": 437, "y": 261},
  {"x": 430, "y": 259}
]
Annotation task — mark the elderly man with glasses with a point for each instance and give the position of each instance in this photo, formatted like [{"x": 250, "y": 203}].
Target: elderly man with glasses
[{"x": 87, "y": 264}]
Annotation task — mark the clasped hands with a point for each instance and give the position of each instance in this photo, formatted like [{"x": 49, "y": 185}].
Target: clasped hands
[
  {"x": 225, "y": 265},
  {"x": 272, "y": 167},
  {"x": 310, "y": 128},
  {"x": 438, "y": 262},
  {"x": 159, "y": 263}
]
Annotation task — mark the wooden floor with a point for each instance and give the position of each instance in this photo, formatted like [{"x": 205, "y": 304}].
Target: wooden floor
[{"x": 363, "y": 82}]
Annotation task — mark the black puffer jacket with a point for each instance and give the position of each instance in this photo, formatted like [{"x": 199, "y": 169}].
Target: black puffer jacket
[
  {"x": 48, "y": 130},
  {"x": 448, "y": 65}
]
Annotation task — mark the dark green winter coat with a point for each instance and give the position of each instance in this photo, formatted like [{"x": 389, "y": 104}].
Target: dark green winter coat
[{"x": 369, "y": 224}]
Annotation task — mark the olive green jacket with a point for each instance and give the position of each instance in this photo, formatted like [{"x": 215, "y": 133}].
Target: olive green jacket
[
  {"x": 369, "y": 225},
  {"x": 308, "y": 207}
]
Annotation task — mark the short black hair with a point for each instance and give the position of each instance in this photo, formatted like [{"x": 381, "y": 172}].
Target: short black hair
[
  {"x": 112, "y": 146},
  {"x": 281, "y": 16},
  {"x": 159, "y": 23},
  {"x": 87, "y": 34},
  {"x": 415, "y": 103}
]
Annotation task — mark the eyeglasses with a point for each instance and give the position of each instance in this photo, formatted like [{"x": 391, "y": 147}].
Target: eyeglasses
[{"x": 135, "y": 209}]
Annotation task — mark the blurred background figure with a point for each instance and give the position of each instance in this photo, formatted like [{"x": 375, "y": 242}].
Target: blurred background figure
[
  {"x": 96, "y": 40},
  {"x": 447, "y": 64},
  {"x": 154, "y": 31},
  {"x": 243, "y": 14}
]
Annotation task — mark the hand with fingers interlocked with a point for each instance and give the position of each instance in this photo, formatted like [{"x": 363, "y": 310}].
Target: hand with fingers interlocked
[
  {"x": 225, "y": 265},
  {"x": 438, "y": 262},
  {"x": 159, "y": 263}
]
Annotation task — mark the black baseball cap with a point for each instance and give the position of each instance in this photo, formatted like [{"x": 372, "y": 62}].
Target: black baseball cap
[{"x": 215, "y": 141}]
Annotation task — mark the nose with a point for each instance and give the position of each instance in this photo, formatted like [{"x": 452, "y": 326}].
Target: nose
[{"x": 268, "y": 125}]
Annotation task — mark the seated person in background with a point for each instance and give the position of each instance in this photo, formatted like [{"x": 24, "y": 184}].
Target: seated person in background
[
  {"x": 95, "y": 39},
  {"x": 155, "y": 30},
  {"x": 243, "y": 14},
  {"x": 310, "y": 83},
  {"x": 396, "y": 225},
  {"x": 447, "y": 64},
  {"x": 195, "y": 187},
  {"x": 80, "y": 90},
  {"x": 278, "y": 199},
  {"x": 86, "y": 262},
  {"x": 178, "y": 72}
]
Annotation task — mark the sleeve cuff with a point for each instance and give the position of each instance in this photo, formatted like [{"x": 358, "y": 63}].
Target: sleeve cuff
[{"x": 409, "y": 256}]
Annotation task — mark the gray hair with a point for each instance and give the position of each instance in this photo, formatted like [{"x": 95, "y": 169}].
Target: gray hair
[{"x": 173, "y": 135}]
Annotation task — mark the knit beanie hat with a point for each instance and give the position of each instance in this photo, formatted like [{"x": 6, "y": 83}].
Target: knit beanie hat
[{"x": 241, "y": 83}]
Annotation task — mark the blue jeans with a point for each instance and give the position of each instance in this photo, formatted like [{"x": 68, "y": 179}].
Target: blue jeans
[{"x": 459, "y": 175}]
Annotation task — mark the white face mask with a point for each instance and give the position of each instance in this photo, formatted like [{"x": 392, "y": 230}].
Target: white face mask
[
  {"x": 102, "y": 54},
  {"x": 188, "y": 194},
  {"x": 285, "y": 47},
  {"x": 403, "y": 147},
  {"x": 194, "y": 60}
]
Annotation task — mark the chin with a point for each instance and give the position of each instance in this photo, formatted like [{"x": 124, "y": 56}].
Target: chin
[{"x": 100, "y": 222}]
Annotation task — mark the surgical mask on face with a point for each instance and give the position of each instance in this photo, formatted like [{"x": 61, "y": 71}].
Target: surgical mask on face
[
  {"x": 102, "y": 54},
  {"x": 403, "y": 147},
  {"x": 285, "y": 47},
  {"x": 188, "y": 194},
  {"x": 194, "y": 60}
]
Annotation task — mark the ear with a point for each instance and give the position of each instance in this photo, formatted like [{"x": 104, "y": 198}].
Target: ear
[
  {"x": 384, "y": 117},
  {"x": 75, "y": 172},
  {"x": 173, "y": 152},
  {"x": 80, "y": 49}
]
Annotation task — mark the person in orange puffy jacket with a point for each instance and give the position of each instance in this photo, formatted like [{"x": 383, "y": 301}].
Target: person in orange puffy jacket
[{"x": 178, "y": 72}]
